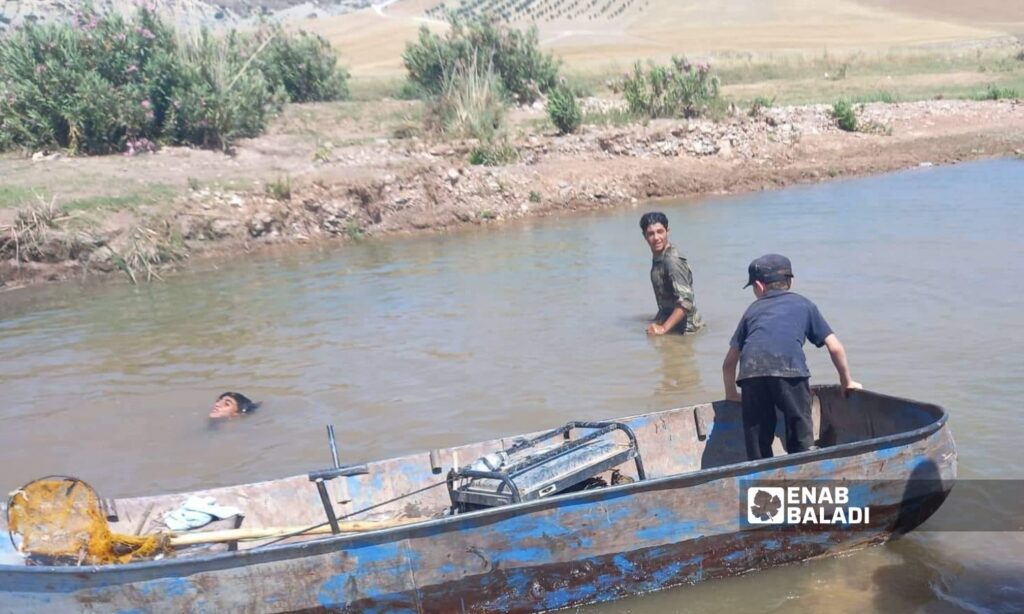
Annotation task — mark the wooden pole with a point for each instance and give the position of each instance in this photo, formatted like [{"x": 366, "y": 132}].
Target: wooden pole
[{"x": 231, "y": 535}]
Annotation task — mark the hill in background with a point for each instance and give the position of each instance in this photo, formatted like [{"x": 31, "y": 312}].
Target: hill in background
[
  {"x": 609, "y": 34},
  {"x": 600, "y": 34}
]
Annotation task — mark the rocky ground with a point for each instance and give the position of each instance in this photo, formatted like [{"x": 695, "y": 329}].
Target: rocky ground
[{"x": 417, "y": 184}]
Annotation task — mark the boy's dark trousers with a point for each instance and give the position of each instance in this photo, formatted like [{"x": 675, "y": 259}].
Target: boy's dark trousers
[{"x": 761, "y": 395}]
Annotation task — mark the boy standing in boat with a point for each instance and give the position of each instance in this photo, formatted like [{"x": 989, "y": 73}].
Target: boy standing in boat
[
  {"x": 672, "y": 280},
  {"x": 768, "y": 347}
]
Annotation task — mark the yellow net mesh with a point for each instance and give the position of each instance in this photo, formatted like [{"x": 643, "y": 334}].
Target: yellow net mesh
[{"x": 58, "y": 519}]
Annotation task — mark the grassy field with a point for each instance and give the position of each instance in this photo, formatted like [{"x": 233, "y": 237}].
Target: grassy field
[
  {"x": 790, "y": 50},
  {"x": 371, "y": 41},
  {"x": 807, "y": 78},
  {"x": 885, "y": 77}
]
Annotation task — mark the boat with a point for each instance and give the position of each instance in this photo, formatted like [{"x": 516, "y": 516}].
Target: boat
[{"x": 584, "y": 513}]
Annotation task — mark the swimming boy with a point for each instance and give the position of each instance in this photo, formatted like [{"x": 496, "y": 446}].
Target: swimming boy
[
  {"x": 768, "y": 347},
  {"x": 672, "y": 280},
  {"x": 230, "y": 404}
]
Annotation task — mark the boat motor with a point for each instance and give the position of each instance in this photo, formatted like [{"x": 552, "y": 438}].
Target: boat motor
[{"x": 536, "y": 468}]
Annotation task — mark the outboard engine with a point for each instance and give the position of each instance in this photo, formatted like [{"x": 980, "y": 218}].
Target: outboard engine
[{"x": 537, "y": 468}]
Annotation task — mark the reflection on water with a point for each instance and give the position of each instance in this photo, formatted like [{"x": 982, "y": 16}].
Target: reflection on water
[
  {"x": 409, "y": 344},
  {"x": 678, "y": 374}
]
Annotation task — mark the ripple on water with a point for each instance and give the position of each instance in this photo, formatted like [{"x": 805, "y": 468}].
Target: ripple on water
[{"x": 434, "y": 341}]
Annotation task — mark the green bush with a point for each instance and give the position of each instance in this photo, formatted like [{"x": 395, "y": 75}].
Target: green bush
[
  {"x": 281, "y": 189},
  {"x": 493, "y": 153},
  {"x": 679, "y": 89},
  {"x": 845, "y": 115},
  {"x": 525, "y": 72},
  {"x": 563, "y": 110},
  {"x": 411, "y": 90},
  {"x": 302, "y": 64},
  {"x": 216, "y": 98},
  {"x": 994, "y": 92},
  {"x": 105, "y": 83},
  {"x": 760, "y": 104}
]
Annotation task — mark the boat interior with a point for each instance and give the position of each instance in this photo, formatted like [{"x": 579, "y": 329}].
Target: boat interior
[{"x": 507, "y": 470}]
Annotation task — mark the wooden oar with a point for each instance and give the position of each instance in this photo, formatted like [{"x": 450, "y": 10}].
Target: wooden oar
[{"x": 231, "y": 535}]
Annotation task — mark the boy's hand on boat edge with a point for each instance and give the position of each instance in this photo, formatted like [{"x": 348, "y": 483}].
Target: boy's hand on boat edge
[
  {"x": 733, "y": 395},
  {"x": 849, "y": 386}
]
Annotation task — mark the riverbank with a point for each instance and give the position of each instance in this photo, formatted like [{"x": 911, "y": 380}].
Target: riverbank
[{"x": 275, "y": 191}]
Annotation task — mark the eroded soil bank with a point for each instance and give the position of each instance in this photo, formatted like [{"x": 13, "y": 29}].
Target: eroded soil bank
[{"x": 403, "y": 185}]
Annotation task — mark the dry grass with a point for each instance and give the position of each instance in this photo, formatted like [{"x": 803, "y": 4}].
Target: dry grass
[
  {"x": 142, "y": 251},
  {"x": 44, "y": 232},
  {"x": 30, "y": 229},
  {"x": 1007, "y": 14},
  {"x": 904, "y": 88}
]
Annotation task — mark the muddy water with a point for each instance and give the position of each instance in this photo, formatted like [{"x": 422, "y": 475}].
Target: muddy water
[{"x": 408, "y": 344}]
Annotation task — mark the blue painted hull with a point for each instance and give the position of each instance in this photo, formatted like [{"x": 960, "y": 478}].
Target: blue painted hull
[{"x": 554, "y": 553}]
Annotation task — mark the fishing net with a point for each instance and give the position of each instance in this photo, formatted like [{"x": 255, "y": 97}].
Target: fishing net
[{"x": 57, "y": 520}]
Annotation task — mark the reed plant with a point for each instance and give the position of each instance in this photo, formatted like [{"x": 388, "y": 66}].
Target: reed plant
[
  {"x": 142, "y": 251},
  {"x": 470, "y": 103}
]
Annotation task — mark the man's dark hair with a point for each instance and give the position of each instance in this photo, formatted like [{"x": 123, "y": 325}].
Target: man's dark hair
[
  {"x": 782, "y": 284},
  {"x": 654, "y": 217},
  {"x": 245, "y": 404}
]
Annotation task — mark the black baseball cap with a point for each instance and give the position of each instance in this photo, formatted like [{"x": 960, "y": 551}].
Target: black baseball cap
[{"x": 769, "y": 268}]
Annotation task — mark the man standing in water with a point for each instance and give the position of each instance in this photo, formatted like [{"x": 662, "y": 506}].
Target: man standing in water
[{"x": 672, "y": 281}]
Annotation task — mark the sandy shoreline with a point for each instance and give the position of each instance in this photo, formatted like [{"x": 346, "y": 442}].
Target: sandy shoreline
[{"x": 411, "y": 185}]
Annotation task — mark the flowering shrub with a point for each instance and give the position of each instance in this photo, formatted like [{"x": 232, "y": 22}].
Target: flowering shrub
[
  {"x": 106, "y": 83},
  {"x": 679, "y": 89}
]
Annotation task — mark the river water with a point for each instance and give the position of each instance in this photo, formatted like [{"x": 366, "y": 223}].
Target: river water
[{"x": 411, "y": 343}]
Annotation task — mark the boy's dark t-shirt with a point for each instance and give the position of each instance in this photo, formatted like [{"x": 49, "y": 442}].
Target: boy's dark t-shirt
[{"x": 771, "y": 335}]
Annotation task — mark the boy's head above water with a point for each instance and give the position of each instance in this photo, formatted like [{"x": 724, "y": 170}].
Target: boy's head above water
[{"x": 231, "y": 404}]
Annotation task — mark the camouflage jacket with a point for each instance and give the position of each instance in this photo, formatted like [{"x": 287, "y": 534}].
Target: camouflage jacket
[{"x": 673, "y": 286}]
